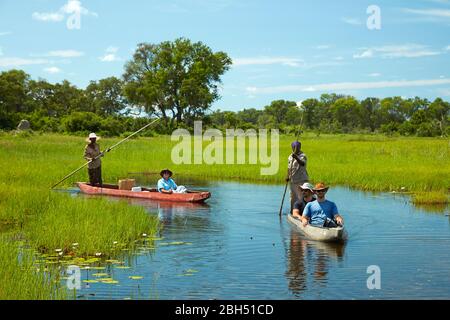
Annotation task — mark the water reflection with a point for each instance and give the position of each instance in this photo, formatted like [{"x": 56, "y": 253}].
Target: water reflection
[{"x": 305, "y": 254}]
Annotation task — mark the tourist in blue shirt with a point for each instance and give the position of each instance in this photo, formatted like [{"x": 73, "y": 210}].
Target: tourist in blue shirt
[
  {"x": 167, "y": 185},
  {"x": 321, "y": 212}
]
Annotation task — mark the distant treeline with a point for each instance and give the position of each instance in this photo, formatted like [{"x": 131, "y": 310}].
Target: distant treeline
[{"x": 105, "y": 107}]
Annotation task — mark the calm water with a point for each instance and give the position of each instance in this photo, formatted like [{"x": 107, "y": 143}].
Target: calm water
[{"x": 237, "y": 247}]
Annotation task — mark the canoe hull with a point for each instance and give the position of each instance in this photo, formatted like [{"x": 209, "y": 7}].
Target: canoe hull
[
  {"x": 338, "y": 234},
  {"x": 112, "y": 190}
]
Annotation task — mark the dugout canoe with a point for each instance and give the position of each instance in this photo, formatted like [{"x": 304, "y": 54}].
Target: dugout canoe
[
  {"x": 338, "y": 234},
  {"x": 146, "y": 193}
]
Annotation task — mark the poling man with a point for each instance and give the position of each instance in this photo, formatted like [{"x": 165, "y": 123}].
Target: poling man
[
  {"x": 297, "y": 173},
  {"x": 91, "y": 151}
]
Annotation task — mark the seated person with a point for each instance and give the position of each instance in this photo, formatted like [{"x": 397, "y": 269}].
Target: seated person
[
  {"x": 321, "y": 212},
  {"x": 307, "y": 196},
  {"x": 167, "y": 185}
]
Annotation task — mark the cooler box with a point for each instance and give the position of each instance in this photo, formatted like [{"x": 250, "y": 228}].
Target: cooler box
[{"x": 126, "y": 184}]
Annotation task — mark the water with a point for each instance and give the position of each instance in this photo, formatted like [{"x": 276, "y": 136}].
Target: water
[{"x": 237, "y": 247}]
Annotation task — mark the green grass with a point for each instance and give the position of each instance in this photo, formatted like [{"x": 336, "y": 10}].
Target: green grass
[
  {"x": 20, "y": 278},
  {"x": 374, "y": 163}
]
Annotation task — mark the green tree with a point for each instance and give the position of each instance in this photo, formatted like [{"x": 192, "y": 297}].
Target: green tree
[
  {"x": 439, "y": 111},
  {"x": 278, "y": 110},
  {"x": 105, "y": 96},
  {"x": 14, "y": 88},
  {"x": 175, "y": 80}
]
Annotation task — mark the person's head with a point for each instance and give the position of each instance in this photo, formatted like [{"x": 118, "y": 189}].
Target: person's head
[
  {"x": 166, "y": 174},
  {"x": 320, "y": 189},
  {"x": 92, "y": 138},
  {"x": 307, "y": 190},
  {"x": 296, "y": 146}
]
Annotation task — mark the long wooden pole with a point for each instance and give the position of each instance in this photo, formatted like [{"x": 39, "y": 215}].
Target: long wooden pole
[{"x": 101, "y": 154}]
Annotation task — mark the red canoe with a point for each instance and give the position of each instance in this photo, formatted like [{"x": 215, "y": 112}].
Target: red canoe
[{"x": 146, "y": 193}]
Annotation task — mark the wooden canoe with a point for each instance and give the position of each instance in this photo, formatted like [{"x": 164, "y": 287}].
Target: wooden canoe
[
  {"x": 146, "y": 193},
  {"x": 319, "y": 233}
]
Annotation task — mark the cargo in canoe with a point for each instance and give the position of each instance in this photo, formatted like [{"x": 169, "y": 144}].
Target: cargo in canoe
[
  {"x": 319, "y": 233},
  {"x": 146, "y": 193}
]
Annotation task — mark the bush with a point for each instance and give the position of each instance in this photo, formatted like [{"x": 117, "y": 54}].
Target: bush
[
  {"x": 82, "y": 121},
  {"x": 427, "y": 129},
  {"x": 406, "y": 129}
]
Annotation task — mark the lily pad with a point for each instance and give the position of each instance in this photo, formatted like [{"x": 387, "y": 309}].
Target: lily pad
[
  {"x": 136, "y": 277},
  {"x": 90, "y": 281}
]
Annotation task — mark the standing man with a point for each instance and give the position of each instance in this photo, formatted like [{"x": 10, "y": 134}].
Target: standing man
[
  {"x": 297, "y": 173},
  {"x": 92, "y": 151}
]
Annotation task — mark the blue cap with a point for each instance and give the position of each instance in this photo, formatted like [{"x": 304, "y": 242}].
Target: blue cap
[{"x": 296, "y": 144}]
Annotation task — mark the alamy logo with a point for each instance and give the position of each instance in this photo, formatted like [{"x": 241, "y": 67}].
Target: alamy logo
[
  {"x": 374, "y": 280},
  {"x": 190, "y": 150},
  {"x": 374, "y": 20}
]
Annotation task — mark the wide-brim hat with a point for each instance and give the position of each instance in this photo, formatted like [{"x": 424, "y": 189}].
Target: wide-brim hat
[
  {"x": 320, "y": 186},
  {"x": 307, "y": 186},
  {"x": 165, "y": 171},
  {"x": 92, "y": 135}
]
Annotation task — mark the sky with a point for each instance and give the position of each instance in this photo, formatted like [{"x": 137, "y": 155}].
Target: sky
[{"x": 290, "y": 50}]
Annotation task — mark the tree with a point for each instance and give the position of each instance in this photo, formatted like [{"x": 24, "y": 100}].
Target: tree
[
  {"x": 175, "y": 80},
  {"x": 310, "y": 110},
  {"x": 14, "y": 88},
  {"x": 105, "y": 96},
  {"x": 439, "y": 111},
  {"x": 278, "y": 110}
]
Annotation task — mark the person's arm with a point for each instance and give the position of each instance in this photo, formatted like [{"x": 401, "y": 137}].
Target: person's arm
[
  {"x": 337, "y": 216},
  {"x": 161, "y": 187},
  {"x": 166, "y": 191},
  {"x": 306, "y": 215},
  {"x": 87, "y": 154},
  {"x": 173, "y": 184},
  {"x": 301, "y": 160}
]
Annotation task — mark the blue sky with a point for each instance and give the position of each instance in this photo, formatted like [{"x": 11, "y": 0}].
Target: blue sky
[{"x": 281, "y": 49}]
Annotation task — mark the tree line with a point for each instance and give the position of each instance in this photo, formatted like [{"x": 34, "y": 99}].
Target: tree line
[{"x": 178, "y": 82}]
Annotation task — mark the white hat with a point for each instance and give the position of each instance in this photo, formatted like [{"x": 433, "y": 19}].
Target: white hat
[
  {"x": 307, "y": 186},
  {"x": 92, "y": 135}
]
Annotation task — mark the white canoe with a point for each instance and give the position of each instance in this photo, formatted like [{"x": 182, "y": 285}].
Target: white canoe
[{"x": 319, "y": 233}]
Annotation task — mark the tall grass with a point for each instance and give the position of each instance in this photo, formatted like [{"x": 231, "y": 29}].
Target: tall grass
[
  {"x": 20, "y": 279},
  {"x": 367, "y": 162},
  {"x": 95, "y": 225}
]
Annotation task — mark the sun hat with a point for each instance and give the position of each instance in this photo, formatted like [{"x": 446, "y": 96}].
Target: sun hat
[
  {"x": 165, "y": 171},
  {"x": 92, "y": 135},
  {"x": 320, "y": 186},
  {"x": 307, "y": 186}
]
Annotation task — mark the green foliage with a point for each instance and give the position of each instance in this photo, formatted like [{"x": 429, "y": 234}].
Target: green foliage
[
  {"x": 82, "y": 121},
  {"x": 177, "y": 80}
]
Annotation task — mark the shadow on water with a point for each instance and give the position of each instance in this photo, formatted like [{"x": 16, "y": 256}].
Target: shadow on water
[{"x": 303, "y": 255}]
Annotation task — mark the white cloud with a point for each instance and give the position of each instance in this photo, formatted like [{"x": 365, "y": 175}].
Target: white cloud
[
  {"x": 323, "y": 47},
  {"x": 347, "y": 86},
  {"x": 352, "y": 21},
  {"x": 112, "y": 49},
  {"x": 71, "y": 7},
  {"x": 17, "y": 62},
  {"x": 1, "y": 52},
  {"x": 365, "y": 54},
  {"x": 396, "y": 51},
  {"x": 65, "y": 53},
  {"x": 110, "y": 55},
  {"x": 435, "y": 13},
  {"x": 374, "y": 74},
  {"x": 447, "y": 48},
  {"x": 52, "y": 70},
  {"x": 5, "y": 33},
  {"x": 292, "y": 62},
  {"x": 48, "y": 16}
]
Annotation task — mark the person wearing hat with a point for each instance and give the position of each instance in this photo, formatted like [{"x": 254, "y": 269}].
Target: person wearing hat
[
  {"x": 167, "y": 185},
  {"x": 307, "y": 196},
  {"x": 321, "y": 212},
  {"x": 297, "y": 173},
  {"x": 92, "y": 153}
]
